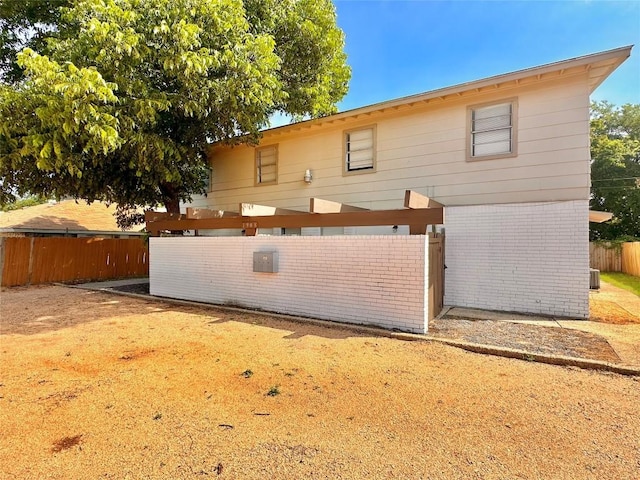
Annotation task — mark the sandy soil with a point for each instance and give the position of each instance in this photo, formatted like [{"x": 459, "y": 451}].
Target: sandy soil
[
  {"x": 613, "y": 305},
  {"x": 99, "y": 386}
]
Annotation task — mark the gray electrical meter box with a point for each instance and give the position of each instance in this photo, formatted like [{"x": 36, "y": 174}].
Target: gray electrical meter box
[{"x": 266, "y": 262}]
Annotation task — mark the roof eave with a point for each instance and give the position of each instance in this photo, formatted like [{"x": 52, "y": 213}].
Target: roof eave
[
  {"x": 619, "y": 55},
  {"x": 68, "y": 231}
]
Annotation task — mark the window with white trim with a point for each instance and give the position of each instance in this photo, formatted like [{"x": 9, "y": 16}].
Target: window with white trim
[
  {"x": 492, "y": 131},
  {"x": 267, "y": 165},
  {"x": 359, "y": 150}
]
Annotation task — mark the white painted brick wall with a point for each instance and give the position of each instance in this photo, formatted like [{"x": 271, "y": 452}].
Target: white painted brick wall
[
  {"x": 527, "y": 257},
  {"x": 376, "y": 280}
]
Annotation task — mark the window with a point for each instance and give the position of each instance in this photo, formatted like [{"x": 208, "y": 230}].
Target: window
[
  {"x": 359, "y": 150},
  {"x": 208, "y": 179},
  {"x": 492, "y": 131},
  {"x": 267, "y": 165}
]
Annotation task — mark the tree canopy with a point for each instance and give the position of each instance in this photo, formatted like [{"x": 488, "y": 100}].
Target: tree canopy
[
  {"x": 615, "y": 169},
  {"x": 25, "y": 23},
  {"x": 132, "y": 92}
]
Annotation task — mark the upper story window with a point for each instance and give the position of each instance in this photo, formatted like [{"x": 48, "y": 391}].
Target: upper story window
[
  {"x": 360, "y": 150},
  {"x": 208, "y": 180},
  {"x": 492, "y": 131},
  {"x": 266, "y": 165}
]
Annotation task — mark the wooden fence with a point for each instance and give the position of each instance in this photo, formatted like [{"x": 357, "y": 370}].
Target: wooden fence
[
  {"x": 631, "y": 258},
  {"x": 34, "y": 260},
  {"x": 607, "y": 258}
]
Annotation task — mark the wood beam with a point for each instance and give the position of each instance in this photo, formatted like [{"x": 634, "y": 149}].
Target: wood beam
[
  {"x": 318, "y": 205},
  {"x": 151, "y": 216},
  {"x": 416, "y": 200},
  {"x": 418, "y": 229},
  {"x": 198, "y": 213},
  {"x": 253, "y": 210},
  {"x": 418, "y": 217}
]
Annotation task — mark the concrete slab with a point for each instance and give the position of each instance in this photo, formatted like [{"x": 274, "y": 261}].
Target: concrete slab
[
  {"x": 112, "y": 283},
  {"x": 476, "y": 314}
]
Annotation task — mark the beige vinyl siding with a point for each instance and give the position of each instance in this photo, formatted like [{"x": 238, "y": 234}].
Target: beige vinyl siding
[{"x": 424, "y": 148}]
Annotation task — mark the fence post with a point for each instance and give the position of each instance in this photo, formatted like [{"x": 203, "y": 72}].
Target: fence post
[
  {"x": 2, "y": 249},
  {"x": 30, "y": 270}
]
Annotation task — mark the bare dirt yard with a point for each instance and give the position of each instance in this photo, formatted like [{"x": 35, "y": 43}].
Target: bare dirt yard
[
  {"x": 613, "y": 305},
  {"x": 100, "y": 386}
]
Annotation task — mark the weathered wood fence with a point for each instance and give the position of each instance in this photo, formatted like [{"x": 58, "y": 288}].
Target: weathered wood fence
[
  {"x": 608, "y": 258},
  {"x": 35, "y": 260}
]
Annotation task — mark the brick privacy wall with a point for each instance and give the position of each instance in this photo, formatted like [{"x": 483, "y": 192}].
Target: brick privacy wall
[
  {"x": 374, "y": 280},
  {"x": 528, "y": 257}
]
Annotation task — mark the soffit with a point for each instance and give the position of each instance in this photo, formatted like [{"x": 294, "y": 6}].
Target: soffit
[{"x": 597, "y": 66}]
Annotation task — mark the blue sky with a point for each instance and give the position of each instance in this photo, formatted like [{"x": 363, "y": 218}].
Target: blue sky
[{"x": 397, "y": 48}]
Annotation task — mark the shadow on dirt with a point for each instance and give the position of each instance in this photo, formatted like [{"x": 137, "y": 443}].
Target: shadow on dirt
[{"x": 39, "y": 309}]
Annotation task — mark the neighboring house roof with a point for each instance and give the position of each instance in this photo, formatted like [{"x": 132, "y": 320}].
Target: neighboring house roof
[
  {"x": 598, "y": 66},
  {"x": 67, "y": 216}
]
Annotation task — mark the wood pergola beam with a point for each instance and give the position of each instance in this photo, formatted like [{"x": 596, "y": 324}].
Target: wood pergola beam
[
  {"x": 319, "y": 205},
  {"x": 151, "y": 216},
  {"x": 200, "y": 213},
  {"x": 417, "y": 200},
  {"x": 417, "y": 219},
  {"x": 253, "y": 210}
]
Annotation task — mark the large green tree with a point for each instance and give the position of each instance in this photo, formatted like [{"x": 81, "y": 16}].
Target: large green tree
[
  {"x": 25, "y": 23},
  {"x": 615, "y": 169},
  {"x": 133, "y": 91}
]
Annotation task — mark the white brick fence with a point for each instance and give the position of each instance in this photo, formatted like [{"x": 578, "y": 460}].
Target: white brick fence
[{"x": 374, "y": 280}]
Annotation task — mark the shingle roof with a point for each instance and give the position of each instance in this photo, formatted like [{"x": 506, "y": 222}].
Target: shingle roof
[{"x": 63, "y": 215}]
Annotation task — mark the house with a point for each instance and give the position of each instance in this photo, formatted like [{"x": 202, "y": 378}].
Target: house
[
  {"x": 66, "y": 218},
  {"x": 67, "y": 242},
  {"x": 508, "y": 156}
]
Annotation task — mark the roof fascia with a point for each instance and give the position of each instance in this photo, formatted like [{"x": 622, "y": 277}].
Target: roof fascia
[{"x": 619, "y": 54}]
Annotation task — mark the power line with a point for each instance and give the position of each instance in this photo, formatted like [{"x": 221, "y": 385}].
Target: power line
[
  {"x": 622, "y": 187},
  {"x": 618, "y": 178}
]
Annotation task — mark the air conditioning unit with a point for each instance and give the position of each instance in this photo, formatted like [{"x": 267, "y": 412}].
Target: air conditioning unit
[{"x": 594, "y": 279}]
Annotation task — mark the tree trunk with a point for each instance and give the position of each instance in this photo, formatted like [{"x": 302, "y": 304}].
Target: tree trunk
[
  {"x": 171, "y": 202},
  {"x": 172, "y": 205}
]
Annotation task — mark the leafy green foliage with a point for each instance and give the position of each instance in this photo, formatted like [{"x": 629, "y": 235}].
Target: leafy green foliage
[
  {"x": 25, "y": 23},
  {"x": 124, "y": 109},
  {"x": 615, "y": 169},
  {"x": 23, "y": 203}
]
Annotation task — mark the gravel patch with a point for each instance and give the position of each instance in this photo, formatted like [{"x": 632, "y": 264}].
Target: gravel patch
[{"x": 530, "y": 338}]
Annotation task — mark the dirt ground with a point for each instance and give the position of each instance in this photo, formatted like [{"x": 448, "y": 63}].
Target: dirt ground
[
  {"x": 100, "y": 386},
  {"x": 613, "y": 305}
]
